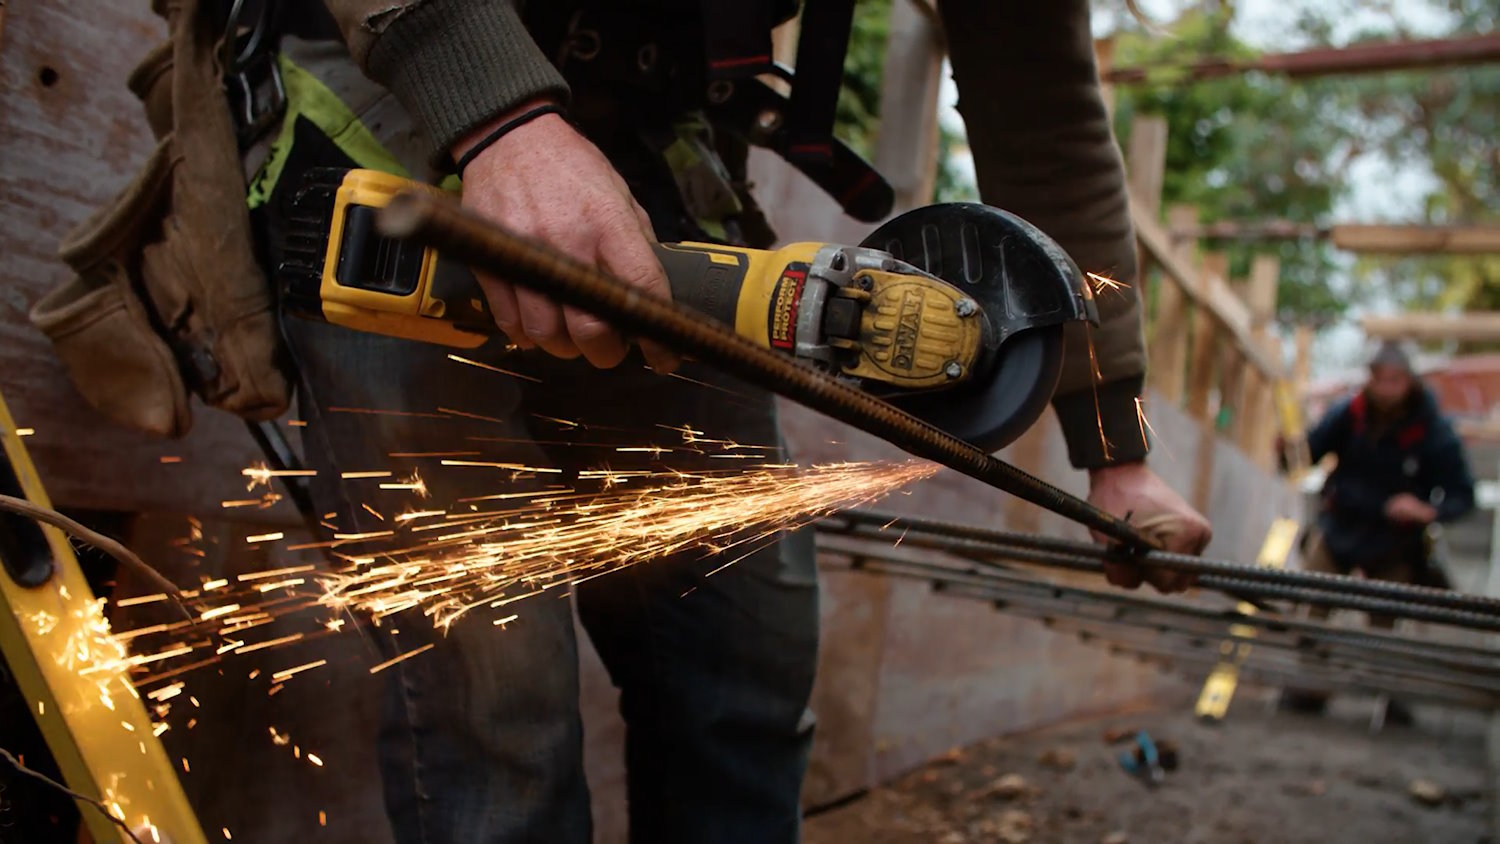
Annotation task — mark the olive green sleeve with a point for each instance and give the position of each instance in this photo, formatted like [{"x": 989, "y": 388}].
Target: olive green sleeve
[
  {"x": 453, "y": 64},
  {"x": 1043, "y": 149}
]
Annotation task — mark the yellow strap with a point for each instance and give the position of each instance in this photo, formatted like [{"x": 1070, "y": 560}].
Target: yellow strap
[{"x": 307, "y": 97}]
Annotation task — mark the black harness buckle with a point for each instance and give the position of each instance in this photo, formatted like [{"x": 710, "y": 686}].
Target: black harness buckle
[
  {"x": 252, "y": 76},
  {"x": 257, "y": 97}
]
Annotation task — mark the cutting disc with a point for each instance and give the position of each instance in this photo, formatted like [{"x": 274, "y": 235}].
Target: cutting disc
[{"x": 1027, "y": 289}]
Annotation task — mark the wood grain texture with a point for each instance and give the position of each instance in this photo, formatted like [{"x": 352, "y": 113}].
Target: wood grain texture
[
  {"x": 1207, "y": 291},
  {"x": 71, "y": 135},
  {"x": 1169, "y": 336}
]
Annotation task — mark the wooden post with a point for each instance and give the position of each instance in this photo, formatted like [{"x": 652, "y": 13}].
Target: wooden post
[
  {"x": 1302, "y": 364},
  {"x": 1201, "y": 366},
  {"x": 1234, "y": 375},
  {"x": 1146, "y": 166},
  {"x": 1256, "y": 434},
  {"x": 1104, "y": 58},
  {"x": 1169, "y": 336},
  {"x": 907, "y": 140},
  {"x": 1146, "y": 162}
]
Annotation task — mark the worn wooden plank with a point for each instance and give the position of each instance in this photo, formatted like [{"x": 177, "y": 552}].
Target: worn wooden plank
[
  {"x": 1256, "y": 436},
  {"x": 1146, "y": 162},
  {"x": 1476, "y": 327},
  {"x": 71, "y": 135},
  {"x": 1104, "y": 60},
  {"x": 1169, "y": 336},
  {"x": 1210, "y": 292},
  {"x": 1202, "y": 367},
  {"x": 1411, "y": 240},
  {"x": 1302, "y": 363}
]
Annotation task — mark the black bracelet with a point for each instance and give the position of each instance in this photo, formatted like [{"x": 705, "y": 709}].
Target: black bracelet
[{"x": 502, "y": 130}]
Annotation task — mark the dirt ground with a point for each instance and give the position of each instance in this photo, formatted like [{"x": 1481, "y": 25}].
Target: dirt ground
[{"x": 1259, "y": 777}]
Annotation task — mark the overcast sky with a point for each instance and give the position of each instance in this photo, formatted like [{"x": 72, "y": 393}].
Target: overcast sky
[{"x": 1378, "y": 191}]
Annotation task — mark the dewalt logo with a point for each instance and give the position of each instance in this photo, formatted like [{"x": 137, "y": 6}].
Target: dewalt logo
[{"x": 908, "y": 329}]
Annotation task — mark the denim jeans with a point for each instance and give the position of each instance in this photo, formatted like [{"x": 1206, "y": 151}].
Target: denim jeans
[{"x": 481, "y": 739}]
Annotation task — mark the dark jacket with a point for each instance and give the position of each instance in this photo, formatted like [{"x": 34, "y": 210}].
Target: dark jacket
[{"x": 1417, "y": 451}]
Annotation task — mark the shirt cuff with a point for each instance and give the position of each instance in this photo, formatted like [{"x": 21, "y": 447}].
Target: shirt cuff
[{"x": 1102, "y": 425}]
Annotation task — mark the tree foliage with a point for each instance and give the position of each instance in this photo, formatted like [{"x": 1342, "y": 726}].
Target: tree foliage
[
  {"x": 1244, "y": 147},
  {"x": 1253, "y": 147},
  {"x": 1448, "y": 123}
]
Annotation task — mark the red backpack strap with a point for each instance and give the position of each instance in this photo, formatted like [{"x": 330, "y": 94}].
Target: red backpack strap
[
  {"x": 1357, "y": 413},
  {"x": 1411, "y": 436}
]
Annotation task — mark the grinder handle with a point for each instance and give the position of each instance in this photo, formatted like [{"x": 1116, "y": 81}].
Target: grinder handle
[{"x": 706, "y": 277}]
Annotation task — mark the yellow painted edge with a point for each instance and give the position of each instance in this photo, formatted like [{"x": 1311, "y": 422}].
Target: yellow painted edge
[{"x": 97, "y": 755}]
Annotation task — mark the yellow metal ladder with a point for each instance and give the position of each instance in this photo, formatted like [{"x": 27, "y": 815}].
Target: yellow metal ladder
[{"x": 57, "y": 644}]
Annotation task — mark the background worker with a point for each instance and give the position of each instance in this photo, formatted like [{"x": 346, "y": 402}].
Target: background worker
[
  {"x": 481, "y": 740},
  {"x": 1401, "y": 468}
]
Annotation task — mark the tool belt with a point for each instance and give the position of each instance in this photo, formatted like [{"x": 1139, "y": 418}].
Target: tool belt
[{"x": 167, "y": 295}]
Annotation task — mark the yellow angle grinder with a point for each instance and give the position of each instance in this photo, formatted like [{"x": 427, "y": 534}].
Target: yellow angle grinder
[{"x": 954, "y": 312}]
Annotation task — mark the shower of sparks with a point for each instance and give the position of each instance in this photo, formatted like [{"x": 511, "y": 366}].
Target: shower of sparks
[
  {"x": 1102, "y": 283},
  {"x": 445, "y": 564},
  {"x": 526, "y": 551},
  {"x": 541, "y": 531},
  {"x": 93, "y": 652}
]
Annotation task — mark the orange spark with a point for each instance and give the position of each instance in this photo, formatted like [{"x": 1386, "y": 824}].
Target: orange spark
[
  {"x": 288, "y": 673},
  {"x": 403, "y": 657},
  {"x": 1104, "y": 282},
  {"x": 144, "y": 599},
  {"x": 258, "y": 575},
  {"x": 457, "y": 359}
]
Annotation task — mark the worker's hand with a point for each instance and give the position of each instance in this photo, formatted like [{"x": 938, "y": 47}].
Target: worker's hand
[
  {"x": 545, "y": 181},
  {"x": 1407, "y": 509},
  {"x": 1132, "y": 491}
]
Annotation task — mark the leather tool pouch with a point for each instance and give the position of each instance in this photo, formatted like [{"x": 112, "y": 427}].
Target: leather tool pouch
[{"x": 168, "y": 295}]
